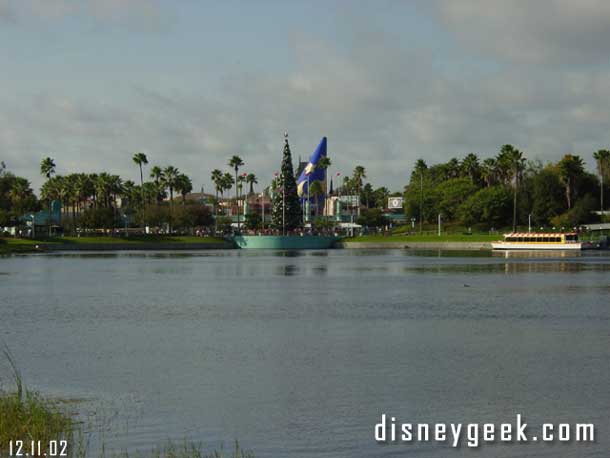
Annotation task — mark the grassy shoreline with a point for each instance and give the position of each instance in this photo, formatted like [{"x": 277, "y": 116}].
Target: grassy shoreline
[
  {"x": 427, "y": 238},
  {"x": 30, "y": 417},
  {"x": 9, "y": 245}
]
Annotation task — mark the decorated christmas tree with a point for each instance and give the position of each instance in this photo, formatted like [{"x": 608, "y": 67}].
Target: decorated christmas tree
[{"x": 287, "y": 212}]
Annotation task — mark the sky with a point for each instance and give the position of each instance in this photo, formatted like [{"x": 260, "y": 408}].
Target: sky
[{"x": 192, "y": 82}]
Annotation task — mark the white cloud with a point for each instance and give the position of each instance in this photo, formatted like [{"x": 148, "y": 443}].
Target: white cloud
[
  {"x": 382, "y": 104},
  {"x": 104, "y": 11},
  {"x": 533, "y": 32}
]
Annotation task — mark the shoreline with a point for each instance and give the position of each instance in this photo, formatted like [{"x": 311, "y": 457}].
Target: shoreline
[
  {"x": 226, "y": 245},
  {"x": 440, "y": 245}
]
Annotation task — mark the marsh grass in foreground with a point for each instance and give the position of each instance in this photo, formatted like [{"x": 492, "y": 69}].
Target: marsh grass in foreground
[
  {"x": 27, "y": 416},
  {"x": 187, "y": 450},
  {"x": 32, "y": 418}
]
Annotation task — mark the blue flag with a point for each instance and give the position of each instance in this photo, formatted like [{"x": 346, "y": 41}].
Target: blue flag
[{"x": 312, "y": 172}]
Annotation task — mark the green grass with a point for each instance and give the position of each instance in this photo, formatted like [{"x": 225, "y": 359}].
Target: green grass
[
  {"x": 14, "y": 245},
  {"x": 139, "y": 239},
  {"x": 32, "y": 418},
  {"x": 426, "y": 238},
  {"x": 29, "y": 417}
]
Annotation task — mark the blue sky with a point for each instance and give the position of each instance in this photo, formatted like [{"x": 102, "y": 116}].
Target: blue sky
[{"x": 191, "y": 83}]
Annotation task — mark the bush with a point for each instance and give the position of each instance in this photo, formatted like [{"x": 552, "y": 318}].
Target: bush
[
  {"x": 95, "y": 218},
  {"x": 372, "y": 217},
  {"x": 582, "y": 213},
  {"x": 190, "y": 216},
  {"x": 490, "y": 206}
]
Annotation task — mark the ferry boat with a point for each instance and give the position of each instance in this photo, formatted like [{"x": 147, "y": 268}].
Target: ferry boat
[{"x": 541, "y": 241}]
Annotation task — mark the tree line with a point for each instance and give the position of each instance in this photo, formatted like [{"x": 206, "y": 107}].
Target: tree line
[{"x": 508, "y": 191}]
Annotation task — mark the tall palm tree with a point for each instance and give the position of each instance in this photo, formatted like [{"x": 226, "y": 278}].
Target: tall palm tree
[
  {"x": 170, "y": 180},
  {"x": 453, "y": 168},
  {"x": 47, "y": 169},
  {"x": 358, "y": 176},
  {"x": 20, "y": 193},
  {"x": 227, "y": 183},
  {"x": 103, "y": 188},
  {"x": 251, "y": 180},
  {"x": 141, "y": 159},
  {"x": 240, "y": 186},
  {"x": 315, "y": 191},
  {"x": 71, "y": 196},
  {"x": 236, "y": 162},
  {"x": 83, "y": 189},
  {"x": 570, "y": 168},
  {"x": 324, "y": 163},
  {"x": 184, "y": 185},
  {"x": 216, "y": 177},
  {"x": 602, "y": 158},
  {"x": 515, "y": 164},
  {"x": 156, "y": 173},
  {"x": 488, "y": 171},
  {"x": 471, "y": 167}
]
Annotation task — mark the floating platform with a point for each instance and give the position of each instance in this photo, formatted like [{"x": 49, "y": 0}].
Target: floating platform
[{"x": 285, "y": 242}]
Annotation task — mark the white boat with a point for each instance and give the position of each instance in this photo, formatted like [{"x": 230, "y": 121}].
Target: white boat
[{"x": 541, "y": 241}]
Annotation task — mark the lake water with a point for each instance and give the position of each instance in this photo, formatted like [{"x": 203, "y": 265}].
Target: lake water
[{"x": 299, "y": 354}]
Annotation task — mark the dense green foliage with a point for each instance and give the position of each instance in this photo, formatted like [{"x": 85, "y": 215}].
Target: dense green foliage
[
  {"x": 506, "y": 190},
  {"x": 16, "y": 197},
  {"x": 372, "y": 217}
]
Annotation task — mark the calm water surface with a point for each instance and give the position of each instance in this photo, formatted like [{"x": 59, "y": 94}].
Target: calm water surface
[{"x": 298, "y": 354}]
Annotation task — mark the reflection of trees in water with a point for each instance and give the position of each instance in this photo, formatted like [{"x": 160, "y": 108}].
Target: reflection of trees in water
[{"x": 287, "y": 270}]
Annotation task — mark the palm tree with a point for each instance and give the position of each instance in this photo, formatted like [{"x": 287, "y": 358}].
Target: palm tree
[
  {"x": 488, "y": 171},
  {"x": 156, "y": 173},
  {"x": 217, "y": 180},
  {"x": 251, "y": 180},
  {"x": 47, "y": 169},
  {"x": 570, "y": 167},
  {"x": 602, "y": 158},
  {"x": 515, "y": 164},
  {"x": 20, "y": 193},
  {"x": 170, "y": 181},
  {"x": 71, "y": 196},
  {"x": 115, "y": 188},
  {"x": 315, "y": 191},
  {"x": 140, "y": 159},
  {"x": 324, "y": 163},
  {"x": 227, "y": 183},
  {"x": 83, "y": 189},
  {"x": 184, "y": 185},
  {"x": 102, "y": 188},
  {"x": 453, "y": 168},
  {"x": 471, "y": 167},
  {"x": 236, "y": 162},
  {"x": 358, "y": 175},
  {"x": 240, "y": 186}
]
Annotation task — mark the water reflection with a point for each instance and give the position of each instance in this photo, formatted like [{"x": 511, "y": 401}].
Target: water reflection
[
  {"x": 296, "y": 353},
  {"x": 537, "y": 254}
]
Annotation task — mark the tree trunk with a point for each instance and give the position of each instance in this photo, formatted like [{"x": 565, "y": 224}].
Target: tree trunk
[
  {"x": 216, "y": 213},
  {"x": 515, "y": 206}
]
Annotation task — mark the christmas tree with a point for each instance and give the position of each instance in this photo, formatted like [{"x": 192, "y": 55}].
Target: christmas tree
[{"x": 287, "y": 212}]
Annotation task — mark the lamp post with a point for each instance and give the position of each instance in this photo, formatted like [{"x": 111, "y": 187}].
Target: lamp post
[
  {"x": 421, "y": 201},
  {"x": 439, "y": 224}
]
